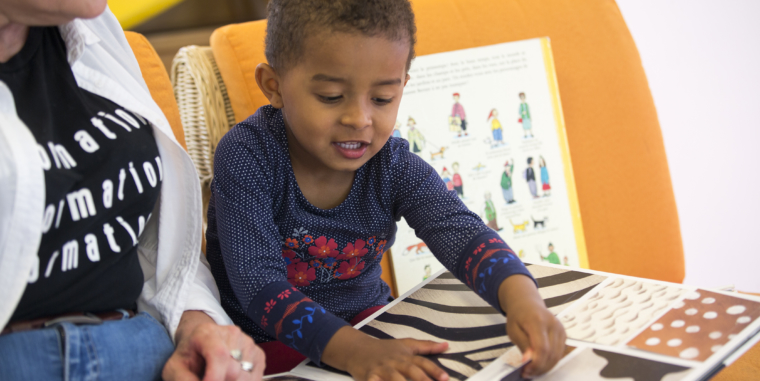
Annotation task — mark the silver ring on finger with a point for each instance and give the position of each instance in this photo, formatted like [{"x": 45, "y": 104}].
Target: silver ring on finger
[
  {"x": 247, "y": 366},
  {"x": 236, "y": 354}
]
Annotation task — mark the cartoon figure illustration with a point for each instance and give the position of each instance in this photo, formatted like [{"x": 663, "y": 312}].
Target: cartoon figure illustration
[
  {"x": 490, "y": 211},
  {"x": 525, "y": 117},
  {"x": 458, "y": 119},
  {"x": 506, "y": 182},
  {"x": 397, "y": 130},
  {"x": 541, "y": 223},
  {"x": 521, "y": 253},
  {"x": 457, "y": 180},
  {"x": 552, "y": 258},
  {"x": 446, "y": 176},
  {"x": 544, "y": 177},
  {"x": 427, "y": 272},
  {"x": 496, "y": 129},
  {"x": 416, "y": 249},
  {"x": 416, "y": 139},
  {"x": 530, "y": 177},
  {"x": 478, "y": 167},
  {"x": 520, "y": 228}
]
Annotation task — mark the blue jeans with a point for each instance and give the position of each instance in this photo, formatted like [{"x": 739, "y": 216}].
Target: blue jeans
[{"x": 129, "y": 349}]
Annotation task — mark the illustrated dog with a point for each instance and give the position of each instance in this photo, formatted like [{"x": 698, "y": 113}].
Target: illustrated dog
[{"x": 439, "y": 153}]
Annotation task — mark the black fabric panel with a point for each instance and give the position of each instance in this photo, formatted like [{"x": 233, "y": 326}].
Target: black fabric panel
[
  {"x": 447, "y": 287},
  {"x": 454, "y": 309},
  {"x": 445, "y": 333},
  {"x": 566, "y": 277}
]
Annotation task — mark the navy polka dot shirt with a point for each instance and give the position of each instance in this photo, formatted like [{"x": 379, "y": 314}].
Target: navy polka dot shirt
[{"x": 289, "y": 271}]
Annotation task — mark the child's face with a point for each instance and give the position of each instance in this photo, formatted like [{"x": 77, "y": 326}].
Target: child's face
[
  {"x": 522, "y": 97},
  {"x": 341, "y": 101}
]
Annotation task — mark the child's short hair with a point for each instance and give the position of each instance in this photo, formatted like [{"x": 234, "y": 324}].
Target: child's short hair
[{"x": 290, "y": 22}]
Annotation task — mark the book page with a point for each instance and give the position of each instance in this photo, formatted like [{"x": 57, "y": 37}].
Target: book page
[{"x": 489, "y": 121}]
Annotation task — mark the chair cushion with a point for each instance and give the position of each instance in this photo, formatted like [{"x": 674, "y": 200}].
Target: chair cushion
[
  {"x": 156, "y": 77},
  {"x": 626, "y": 198}
]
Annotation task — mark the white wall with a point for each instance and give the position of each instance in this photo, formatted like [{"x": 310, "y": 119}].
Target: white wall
[{"x": 702, "y": 58}]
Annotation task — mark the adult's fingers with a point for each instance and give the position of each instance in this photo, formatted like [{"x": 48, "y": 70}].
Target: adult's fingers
[
  {"x": 253, "y": 354},
  {"x": 220, "y": 366},
  {"x": 178, "y": 371}
]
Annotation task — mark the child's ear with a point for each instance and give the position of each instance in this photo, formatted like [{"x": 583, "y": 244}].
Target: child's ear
[
  {"x": 407, "y": 79},
  {"x": 269, "y": 83}
]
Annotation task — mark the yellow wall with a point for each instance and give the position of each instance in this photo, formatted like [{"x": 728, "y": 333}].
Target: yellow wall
[{"x": 132, "y": 12}]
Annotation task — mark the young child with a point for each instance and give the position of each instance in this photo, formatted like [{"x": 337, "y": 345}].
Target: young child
[{"x": 307, "y": 192}]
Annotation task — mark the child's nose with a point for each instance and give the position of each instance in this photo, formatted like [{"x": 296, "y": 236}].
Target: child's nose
[{"x": 357, "y": 115}]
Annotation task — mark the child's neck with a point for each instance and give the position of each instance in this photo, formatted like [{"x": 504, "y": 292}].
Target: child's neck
[{"x": 322, "y": 187}]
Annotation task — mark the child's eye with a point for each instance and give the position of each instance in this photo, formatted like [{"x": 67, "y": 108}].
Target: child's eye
[
  {"x": 329, "y": 99},
  {"x": 382, "y": 101}
]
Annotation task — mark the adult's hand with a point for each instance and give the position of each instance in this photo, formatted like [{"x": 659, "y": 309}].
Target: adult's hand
[{"x": 204, "y": 352}]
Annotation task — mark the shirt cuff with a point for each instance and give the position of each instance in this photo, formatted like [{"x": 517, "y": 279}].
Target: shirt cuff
[
  {"x": 295, "y": 320},
  {"x": 486, "y": 263}
]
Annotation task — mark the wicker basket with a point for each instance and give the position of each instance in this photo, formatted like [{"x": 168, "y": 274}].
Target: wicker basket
[
  {"x": 204, "y": 109},
  {"x": 204, "y": 106}
]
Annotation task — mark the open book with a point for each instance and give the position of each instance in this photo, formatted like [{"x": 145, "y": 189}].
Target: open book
[{"x": 617, "y": 327}]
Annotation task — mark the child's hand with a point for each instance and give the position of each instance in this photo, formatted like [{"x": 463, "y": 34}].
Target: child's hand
[
  {"x": 370, "y": 359},
  {"x": 538, "y": 334}
]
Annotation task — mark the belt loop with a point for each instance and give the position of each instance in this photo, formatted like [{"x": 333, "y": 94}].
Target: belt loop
[{"x": 124, "y": 312}]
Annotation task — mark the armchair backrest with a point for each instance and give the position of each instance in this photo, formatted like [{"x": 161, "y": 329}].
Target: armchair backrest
[{"x": 155, "y": 76}]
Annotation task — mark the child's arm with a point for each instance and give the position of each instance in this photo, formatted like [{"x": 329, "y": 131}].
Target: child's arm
[
  {"x": 477, "y": 256},
  {"x": 251, "y": 249}
]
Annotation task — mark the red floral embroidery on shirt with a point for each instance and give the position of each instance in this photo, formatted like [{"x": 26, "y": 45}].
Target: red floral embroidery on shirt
[
  {"x": 479, "y": 249},
  {"x": 300, "y": 274},
  {"x": 290, "y": 257},
  {"x": 381, "y": 246},
  {"x": 324, "y": 248},
  {"x": 352, "y": 250},
  {"x": 308, "y": 240},
  {"x": 467, "y": 264},
  {"x": 264, "y": 322},
  {"x": 494, "y": 240},
  {"x": 269, "y": 306},
  {"x": 291, "y": 243},
  {"x": 284, "y": 294},
  {"x": 350, "y": 269}
]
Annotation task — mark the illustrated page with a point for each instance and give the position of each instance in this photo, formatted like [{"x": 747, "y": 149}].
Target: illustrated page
[{"x": 489, "y": 121}]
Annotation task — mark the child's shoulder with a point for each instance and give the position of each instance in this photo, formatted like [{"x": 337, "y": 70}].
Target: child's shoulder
[
  {"x": 396, "y": 157},
  {"x": 261, "y": 134}
]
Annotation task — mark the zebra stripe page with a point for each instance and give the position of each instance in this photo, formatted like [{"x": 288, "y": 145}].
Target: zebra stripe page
[{"x": 447, "y": 310}]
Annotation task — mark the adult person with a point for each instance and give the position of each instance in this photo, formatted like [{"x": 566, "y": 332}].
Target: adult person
[{"x": 100, "y": 213}]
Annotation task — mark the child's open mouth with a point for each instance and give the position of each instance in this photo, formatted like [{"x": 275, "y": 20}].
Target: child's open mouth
[{"x": 351, "y": 150}]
